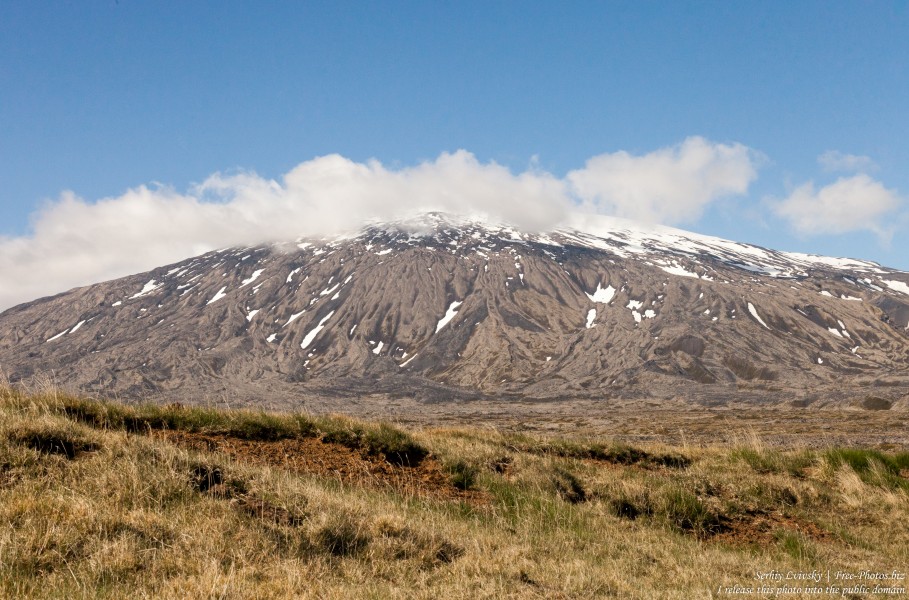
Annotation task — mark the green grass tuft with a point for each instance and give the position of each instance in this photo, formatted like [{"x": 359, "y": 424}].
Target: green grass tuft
[
  {"x": 684, "y": 511},
  {"x": 873, "y": 466},
  {"x": 773, "y": 461},
  {"x": 462, "y": 474},
  {"x": 569, "y": 487},
  {"x": 795, "y": 545},
  {"x": 343, "y": 535}
]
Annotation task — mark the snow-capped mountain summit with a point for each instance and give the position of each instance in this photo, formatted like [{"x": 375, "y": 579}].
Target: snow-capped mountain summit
[
  {"x": 627, "y": 238},
  {"x": 445, "y": 307}
]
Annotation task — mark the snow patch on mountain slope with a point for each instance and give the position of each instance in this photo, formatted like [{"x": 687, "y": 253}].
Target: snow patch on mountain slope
[
  {"x": 676, "y": 269},
  {"x": 898, "y": 286},
  {"x": 315, "y": 331},
  {"x": 252, "y": 277},
  {"x": 754, "y": 313},
  {"x": 58, "y": 336},
  {"x": 449, "y": 315},
  {"x": 602, "y": 295},
  {"x": 147, "y": 289},
  {"x": 294, "y": 317},
  {"x": 221, "y": 293}
]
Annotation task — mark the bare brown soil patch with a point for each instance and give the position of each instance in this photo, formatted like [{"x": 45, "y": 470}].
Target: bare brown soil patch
[
  {"x": 763, "y": 529},
  {"x": 313, "y": 456}
]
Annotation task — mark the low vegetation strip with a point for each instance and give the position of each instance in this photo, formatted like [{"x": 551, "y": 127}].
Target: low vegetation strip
[
  {"x": 208, "y": 503},
  {"x": 620, "y": 454},
  {"x": 382, "y": 439}
]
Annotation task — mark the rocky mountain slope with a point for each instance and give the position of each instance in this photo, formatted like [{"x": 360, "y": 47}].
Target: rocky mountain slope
[{"x": 443, "y": 308}]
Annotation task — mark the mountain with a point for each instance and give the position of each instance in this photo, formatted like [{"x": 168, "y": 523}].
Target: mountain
[{"x": 442, "y": 308}]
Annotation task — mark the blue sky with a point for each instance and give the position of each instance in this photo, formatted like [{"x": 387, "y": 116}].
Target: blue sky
[{"x": 99, "y": 98}]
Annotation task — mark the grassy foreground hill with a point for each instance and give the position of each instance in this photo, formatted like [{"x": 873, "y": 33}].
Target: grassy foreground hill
[{"x": 104, "y": 500}]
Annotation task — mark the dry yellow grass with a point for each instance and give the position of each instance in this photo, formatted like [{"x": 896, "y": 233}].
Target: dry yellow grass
[{"x": 89, "y": 511}]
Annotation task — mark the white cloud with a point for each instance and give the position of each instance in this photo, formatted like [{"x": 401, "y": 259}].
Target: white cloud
[
  {"x": 854, "y": 203},
  {"x": 77, "y": 242},
  {"x": 835, "y": 161},
  {"x": 670, "y": 185}
]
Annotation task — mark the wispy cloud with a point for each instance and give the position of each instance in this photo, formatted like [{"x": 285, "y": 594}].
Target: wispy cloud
[
  {"x": 78, "y": 242},
  {"x": 834, "y": 161},
  {"x": 856, "y": 203}
]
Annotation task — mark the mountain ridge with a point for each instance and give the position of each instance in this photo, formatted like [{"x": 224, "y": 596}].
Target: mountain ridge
[{"x": 443, "y": 307}]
